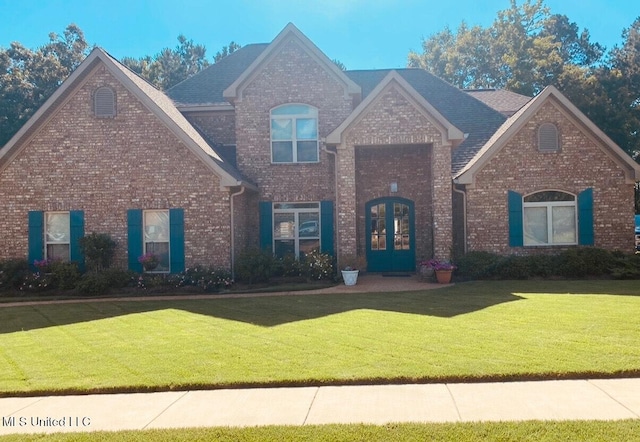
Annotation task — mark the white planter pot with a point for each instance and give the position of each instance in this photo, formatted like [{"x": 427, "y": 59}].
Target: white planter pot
[{"x": 350, "y": 277}]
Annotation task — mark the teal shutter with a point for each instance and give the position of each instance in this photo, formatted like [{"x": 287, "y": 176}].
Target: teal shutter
[
  {"x": 36, "y": 236},
  {"x": 134, "y": 246},
  {"x": 326, "y": 225},
  {"x": 266, "y": 226},
  {"x": 176, "y": 240},
  {"x": 585, "y": 217},
  {"x": 516, "y": 238},
  {"x": 76, "y": 220}
]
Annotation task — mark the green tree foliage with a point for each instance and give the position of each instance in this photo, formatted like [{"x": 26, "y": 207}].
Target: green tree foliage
[
  {"x": 28, "y": 77},
  {"x": 226, "y": 50}
]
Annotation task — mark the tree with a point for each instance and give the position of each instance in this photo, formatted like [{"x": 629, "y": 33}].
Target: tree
[
  {"x": 226, "y": 50},
  {"x": 525, "y": 49},
  {"x": 28, "y": 78}
]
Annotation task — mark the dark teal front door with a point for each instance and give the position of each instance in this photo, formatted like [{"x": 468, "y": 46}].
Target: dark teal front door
[{"x": 390, "y": 235}]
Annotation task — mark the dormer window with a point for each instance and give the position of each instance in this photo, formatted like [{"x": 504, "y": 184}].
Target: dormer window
[
  {"x": 548, "y": 138},
  {"x": 104, "y": 102},
  {"x": 294, "y": 134}
]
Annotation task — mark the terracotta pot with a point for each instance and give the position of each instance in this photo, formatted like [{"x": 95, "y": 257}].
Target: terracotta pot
[{"x": 443, "y": 276}]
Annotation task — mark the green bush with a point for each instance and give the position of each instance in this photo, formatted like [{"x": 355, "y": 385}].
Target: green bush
[
  {"x": 255, "y": 266},
  {"x": 478, "y": 265},
  {"x": 12, "y": 273},
  {"x": 584, "y": 261},
  {"x": 94, "y": 284},
  {"x": 36, "y": 283},
  {"x": 288, "y": 265},
  {"x": 318, "y": 266},
  {"x": 118, "y": 278},
  {"x": 209, "y": 279},
  {"x": 65, "y": 275},
  {"x": 98, "y": 249}
]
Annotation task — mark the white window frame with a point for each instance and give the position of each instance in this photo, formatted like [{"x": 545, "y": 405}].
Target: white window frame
[
  {"x": 293, "y": 117},
  {"x": 549, "y": 205},
  {"x": 296, "y": 211},
  {"x": 46, "y": 236},
  {"x": 145, "y": 242}
]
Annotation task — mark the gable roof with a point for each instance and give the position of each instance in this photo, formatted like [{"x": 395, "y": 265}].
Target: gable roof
[
  {"x": 290, "y": 32},
  {"x": 449, "y": 131},
  {"x": 206, "y": 87},
  {"x": 514, "y": 123},
  {"x": 505, "y": 102},
  {"x": 475, "y": 119},
  {"x": 157, "y": 102}
]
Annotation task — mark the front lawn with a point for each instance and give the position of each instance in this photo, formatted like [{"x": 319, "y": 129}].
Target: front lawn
[
  {"x": 471, "y": 331},
  {"x": 534, "y": 431}
]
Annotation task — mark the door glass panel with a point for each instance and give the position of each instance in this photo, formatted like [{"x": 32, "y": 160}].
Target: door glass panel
[
  {"x": 401, "y": 237},
  {"x": 378, "y": 228}
]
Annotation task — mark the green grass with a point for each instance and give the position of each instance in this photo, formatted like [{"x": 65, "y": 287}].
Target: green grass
[
  {"x": 583, "y": 431},
  {"x": 471, "y": 331}
]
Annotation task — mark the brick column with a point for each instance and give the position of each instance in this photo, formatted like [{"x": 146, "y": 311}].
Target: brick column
[
  {"x": 346, "y": 237},
  {"x": 442, "y": 210}
]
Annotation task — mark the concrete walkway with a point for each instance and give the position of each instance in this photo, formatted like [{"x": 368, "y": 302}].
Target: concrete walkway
[{"x": 544, "y": 400}]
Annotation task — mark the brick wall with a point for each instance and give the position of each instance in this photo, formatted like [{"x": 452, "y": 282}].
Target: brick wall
[
  {"x": 291, "y": 76},
  {"x": 106, "y": 166},
  {"x": 520, "y": 167},
  {"x": 392, "y": 119},
  {"x": 219, "y": 126},
  {"x": 410, "y": 167}
]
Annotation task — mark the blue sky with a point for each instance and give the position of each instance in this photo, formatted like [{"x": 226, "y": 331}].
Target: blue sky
[{"x": 362, "y": 34}]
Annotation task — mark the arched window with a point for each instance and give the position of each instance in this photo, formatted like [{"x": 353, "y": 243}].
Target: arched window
[
  {"x": 104, "y": 102},
  {"x": 548, "y": 138},
  {"x": 550, "y": 218},
  {"x": 294, "y": 134}
]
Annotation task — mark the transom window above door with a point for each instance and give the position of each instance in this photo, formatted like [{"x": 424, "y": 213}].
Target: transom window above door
[{"x": 294, "y": 134}]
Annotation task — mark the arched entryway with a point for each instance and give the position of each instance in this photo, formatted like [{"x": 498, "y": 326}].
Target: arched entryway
[{"x": 390, "y": 235}]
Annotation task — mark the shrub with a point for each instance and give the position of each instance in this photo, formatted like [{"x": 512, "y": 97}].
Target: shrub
[
  {"x": 584, "y": 261},
  {"x": 12, "y": 273},
  {"x": 255, "y": 266},
  {"x": 94, "y": 284},
  {"x": 209, "y": 279},
  {"x": 98, "y": 248},
  {"x": 65, "y": 275},
  {"x": 318, "y": 265},
  {"x": 288, "y": 265},
  {"x": 478, "y": 265},
  {"x": 36, "y": 283},
  {"x": 118, "y": 278}
]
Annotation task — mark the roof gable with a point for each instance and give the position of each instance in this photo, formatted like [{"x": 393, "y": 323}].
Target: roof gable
[
  {"x": 157, "y": 102},
  {"x": 517, "y": 121},
  {"x": 393, "y": 79},
  {"x": 234, "y": 91}
]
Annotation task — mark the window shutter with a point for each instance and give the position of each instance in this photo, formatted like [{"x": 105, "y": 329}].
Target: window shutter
[
  {"x": 134, "y": 230},
  {"x": 76, "y": 221},
  {"x": 266, "y": 226},
  {"x": 585, "y": 217},
  {"x": 326, "y": 225},
  {"x": 36, "y": 236},
  {"x": 176, "y": 240},
  {"x": 516, "y": 238}
]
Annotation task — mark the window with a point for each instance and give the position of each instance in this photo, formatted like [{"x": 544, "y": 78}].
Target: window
[
  {"x": 548, "y": 139},
  {"x": 156, "y": 237},
  {"x": 550, "y": 218},
  {"x": 104, "y": 102},
  {"x": 57, "y": 236},
  {"x": 296, "y": 229},
  {"x": 160, "y": 232},
  {"x": 294, "y": 134}
]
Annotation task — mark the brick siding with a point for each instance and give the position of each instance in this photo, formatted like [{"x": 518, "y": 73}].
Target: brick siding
[
  {"x": 520, "y": 167},
  {"x": 105, "y": 166}
]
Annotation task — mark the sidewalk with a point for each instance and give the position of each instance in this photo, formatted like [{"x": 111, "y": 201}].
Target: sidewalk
[{"x": 610, "y": 399}]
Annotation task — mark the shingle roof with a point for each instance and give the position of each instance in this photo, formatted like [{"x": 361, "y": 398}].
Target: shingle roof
[
  {"x": 469, "y": 115},
  {"x": 465, "y": 112},
  {"x": 206, "y": 86},
  {"x": 505, "y": 102}
]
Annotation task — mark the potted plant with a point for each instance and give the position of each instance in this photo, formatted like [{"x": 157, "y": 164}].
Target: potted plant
[
  {"x": 443, "y": 270},
  {"x": 149, "y": 261},
  {"x": 352, "y": 267},
  {"x": 425, "y": 270}
]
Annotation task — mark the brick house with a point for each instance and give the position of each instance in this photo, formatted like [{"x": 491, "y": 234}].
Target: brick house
[{"x": 276, "y": 147}]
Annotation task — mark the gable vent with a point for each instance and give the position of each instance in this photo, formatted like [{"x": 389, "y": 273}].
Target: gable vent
[
  {"x": 104, "y": 102},
  {"x": 548, "y": 139}
]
